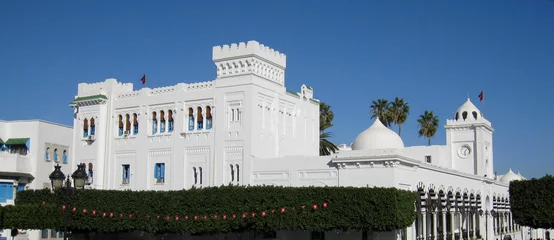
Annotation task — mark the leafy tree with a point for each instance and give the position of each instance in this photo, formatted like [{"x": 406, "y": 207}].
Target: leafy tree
[
  {"x": 428, "y": 124},
  {"x": 531, "y": 202},
  {"x": 326, "y": 117},
  {"x": 380, "y": 110},
  {"x": 398, "y": 111}
]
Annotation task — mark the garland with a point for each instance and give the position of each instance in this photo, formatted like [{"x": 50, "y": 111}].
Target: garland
[{"x": 221, "y": 209}]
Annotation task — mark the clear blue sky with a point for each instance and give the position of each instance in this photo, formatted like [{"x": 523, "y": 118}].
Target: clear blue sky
[{"x": 432, "y": 53}]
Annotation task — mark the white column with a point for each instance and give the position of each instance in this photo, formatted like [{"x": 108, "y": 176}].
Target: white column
[
  {"x": 443, "y": 213},
  {"x": 424, "y": 224},
  {"x": 434, "y": 224},
  {"x": 452, "y": 224}
]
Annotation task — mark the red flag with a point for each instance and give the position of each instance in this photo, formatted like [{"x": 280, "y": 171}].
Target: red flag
[
  {"x": 143, "y": 79},
  {"x": 481, "y": 96}
]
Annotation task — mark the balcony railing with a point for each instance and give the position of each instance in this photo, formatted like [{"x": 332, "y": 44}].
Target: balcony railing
[{"x": 16, "y": 163}]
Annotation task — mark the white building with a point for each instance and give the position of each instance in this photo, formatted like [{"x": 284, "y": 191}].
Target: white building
[
  {"x": 28, "y": 151},
  {"x": 244, "y": 127}
]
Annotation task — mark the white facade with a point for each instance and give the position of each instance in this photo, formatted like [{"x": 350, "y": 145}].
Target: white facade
[
  {"x": 29, "y": 149},
  {"x": 244, "y": 127}
]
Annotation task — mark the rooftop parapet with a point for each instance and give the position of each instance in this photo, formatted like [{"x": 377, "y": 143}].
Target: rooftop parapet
[{"x": 252, "y": 48}]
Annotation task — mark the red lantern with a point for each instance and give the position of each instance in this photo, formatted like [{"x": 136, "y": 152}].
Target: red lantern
[
  {"x": 85, "y": 211},
  {"x": 325, "y": 205},
  {"x": 234, "y": 216},
  {"x": 121, "y": 215},
  {"x": 215, "y": 216},
  {"x": 224, "y": 216},
  {"x": 205, "y": 217},
  {"x": 253, "y": 214},
  {"x": 186, "y": 217},
  {"x": 303, "y": 206},
  {"x": 244, "y": 215},
  {"x": 157, "y": 217},
  {"x": 176, "y": 218},
  {"x": 195, "y": 218},
  {"x": 263, "y": 214},
  {"x": 130, "y": 216},
  {"x": 283, "y": 210},
  {"x": 94, "y": 212},
  {"x": 273, "y": 211},
  {"x": 104, "y": 214},
  {"x": 63, "y": 208},
  {"x": 167, "y": 218},
  {"x": 74, "y": 209},
  {"x": 43, "y": 202},
  {"x": 315, "y": 206},
  {"x": 111, "y": 214}
]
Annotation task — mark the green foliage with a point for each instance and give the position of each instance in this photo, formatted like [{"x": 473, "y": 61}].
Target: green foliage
[
  {"x": 389, "y": 113},
  {"x": 531, "y": 202},
  {"x": 428, "y": 124},
  {"x": 1, "y": 217},
  {"x": 374, "y": 209},
  {"x": 326, "y": 117}
]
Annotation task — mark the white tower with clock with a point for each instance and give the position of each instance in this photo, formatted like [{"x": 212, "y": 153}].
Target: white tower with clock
[{"x": 469, "y": 138}]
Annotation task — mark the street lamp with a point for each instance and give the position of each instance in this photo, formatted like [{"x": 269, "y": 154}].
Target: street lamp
[{"x": 57, "y": 178}]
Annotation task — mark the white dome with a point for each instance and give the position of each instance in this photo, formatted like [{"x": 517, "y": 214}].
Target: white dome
[
  {"x": 377, "y": 136},
  {"x": 468, "y": 111},
  {"x": 510, "y": 176}
]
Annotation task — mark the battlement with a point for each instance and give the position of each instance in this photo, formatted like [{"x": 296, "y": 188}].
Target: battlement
[
  {"x": 105, "y": 88},
  {"x": 252, "y": 48}
]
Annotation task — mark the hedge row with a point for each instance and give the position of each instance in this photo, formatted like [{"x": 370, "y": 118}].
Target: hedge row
[
  {"x": 375, "y": 209},
  {"x": 531, "y": 202}
]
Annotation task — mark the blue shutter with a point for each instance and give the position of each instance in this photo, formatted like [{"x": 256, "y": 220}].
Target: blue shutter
[
  {"x": 156, "y": 167},
  {"x": 162, "y": 170}
]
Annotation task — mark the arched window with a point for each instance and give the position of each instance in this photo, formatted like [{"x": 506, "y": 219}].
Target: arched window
[
  {"x": 90, "y": 172},
  {"x": 464, "y": 115},
  {"x": 127, "y": 124},
  {"x": 120, "y": 125},
  {"x": 208, "y": 117},
  {"x": 64, "y": 157},
  {"x": 170, "y": 121},
  {"x": 457, "y": 116},
  {"x": 199, "y": 118},
  {"x": 162, "y": 121},
  {"x": 56, "y": 154},
  {"x": 92, "y": 127},
  {"x": 154, "y": 123},
  {"x": 200, "y": 168},
  {"x": 191, "y": 119},
  {"x": 232, "y": 173},
  {"x": 47, "y": 154},
  {"x": 85, "y": 128},
  {"x": 195, "y": 175},
  {"x": 135, "y": 124},
  {"x": 238, "y": 173},
  {"x": 474, "y": 113}
]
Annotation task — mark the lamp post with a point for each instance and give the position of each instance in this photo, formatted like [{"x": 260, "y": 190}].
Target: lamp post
[{"x": 57, "y": 178}]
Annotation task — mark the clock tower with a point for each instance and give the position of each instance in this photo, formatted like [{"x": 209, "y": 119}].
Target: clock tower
[{"x": 469, "y": 139}]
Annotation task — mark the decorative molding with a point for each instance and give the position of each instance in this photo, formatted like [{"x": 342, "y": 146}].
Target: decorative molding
[
  {"x": 125, "y": 154},
  {"x": 195, "y": 150},
  {"x": 159, "y": 152}
]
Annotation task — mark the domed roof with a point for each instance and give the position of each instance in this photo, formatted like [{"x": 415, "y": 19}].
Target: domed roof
[
  {"x": 468, "y": 111},
  {"x": 377, "y": 136},
  {"x": 510, "y": 176}
]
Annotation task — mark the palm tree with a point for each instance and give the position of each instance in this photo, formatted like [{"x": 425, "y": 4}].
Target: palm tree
[
  {"x": 428, "y": 124},
  {"x": 399, "y": 111},
  {"x": 326, "y": 117},
  {"x": 379, "y": 109}
]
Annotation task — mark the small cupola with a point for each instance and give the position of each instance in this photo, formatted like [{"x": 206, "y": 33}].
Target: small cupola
[{"x": 468, "y": 112}]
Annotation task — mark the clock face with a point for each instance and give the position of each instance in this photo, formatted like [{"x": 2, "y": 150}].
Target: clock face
[{"x": 464, "y": 151}]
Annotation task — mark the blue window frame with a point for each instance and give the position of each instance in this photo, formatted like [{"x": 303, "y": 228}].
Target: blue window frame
[
  {"x": 64, "y": 156},
  {"x": 154, "y": 126},
  {"x": 46, "y": 155},
  {"x": 170, "y": 126},
  {"x": 6, "y": 191},
  {"x": 21, "y": 187},
  {"x": 92, "y": 130},
  {"x": 162, "y": 126},
  {"x": 159, "y": 172},
  {"x": 44, "y": 233},
  {"x": 85, "y": 133},
  {"x": 135, "y": 129},
  {"x": 191, "y": 122},
  {"x": 209, "y": 123},
  {"x": 56, "y": 155},
  {"x": 126, "y": 174},
  {"x": 200, "y": 125}
]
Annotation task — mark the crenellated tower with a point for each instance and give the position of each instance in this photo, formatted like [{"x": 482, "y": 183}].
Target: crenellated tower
[
  {"x": 250, "y": 58},
  {"x": 469, "y": 137}
]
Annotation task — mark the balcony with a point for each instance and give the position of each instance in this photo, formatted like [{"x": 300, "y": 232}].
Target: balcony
[{"x": 15, "y": 164}]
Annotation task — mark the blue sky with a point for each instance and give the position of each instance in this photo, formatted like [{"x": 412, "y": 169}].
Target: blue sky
[{"x": 431, "y": 53}]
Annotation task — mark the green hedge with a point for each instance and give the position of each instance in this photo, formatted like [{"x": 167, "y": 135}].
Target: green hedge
[
  {"x": 531, "y": 202},
  {"x": 375, "y": 209}
]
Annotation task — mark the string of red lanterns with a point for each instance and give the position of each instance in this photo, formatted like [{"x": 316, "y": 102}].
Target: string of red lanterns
[{"x": 196, "y": 217}]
